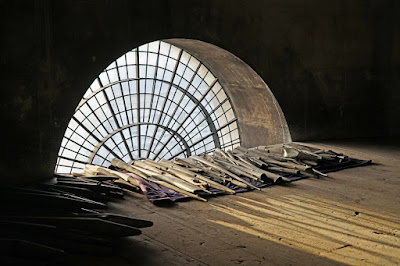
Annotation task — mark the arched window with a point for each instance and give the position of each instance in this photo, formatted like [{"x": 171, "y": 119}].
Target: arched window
[{"x": 157, "y": 102}]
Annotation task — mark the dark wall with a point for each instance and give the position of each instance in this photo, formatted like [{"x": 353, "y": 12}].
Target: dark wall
[{"x": 332, "y": 65}]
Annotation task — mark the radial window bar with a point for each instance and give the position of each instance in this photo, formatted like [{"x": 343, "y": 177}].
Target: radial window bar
[{"x": 157, "y": 102}]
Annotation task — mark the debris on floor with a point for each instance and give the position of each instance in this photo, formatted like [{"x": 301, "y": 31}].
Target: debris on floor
[
  {"x": 223, "y": 172},
  {"x": 45, "y": 223},
  {"x": 64, "y": 216}
]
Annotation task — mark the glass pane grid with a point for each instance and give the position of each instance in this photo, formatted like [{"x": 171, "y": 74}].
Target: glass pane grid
[{"x": 154, "y": 102}]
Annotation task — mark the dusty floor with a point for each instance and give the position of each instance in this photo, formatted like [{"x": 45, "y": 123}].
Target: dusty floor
[{"x": 351, "y": 217}]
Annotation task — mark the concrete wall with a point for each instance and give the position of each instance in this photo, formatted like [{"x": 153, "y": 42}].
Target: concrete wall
[{"x": 332, "y": 65}]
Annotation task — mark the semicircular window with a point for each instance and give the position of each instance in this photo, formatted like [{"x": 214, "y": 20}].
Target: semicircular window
[{"x": 157, "y": 102}]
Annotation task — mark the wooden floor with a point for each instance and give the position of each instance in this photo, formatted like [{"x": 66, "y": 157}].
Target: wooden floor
[{"x": 350, "y": 217}]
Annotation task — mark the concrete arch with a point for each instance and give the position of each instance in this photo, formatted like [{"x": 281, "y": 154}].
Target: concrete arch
[
  {"x": 242, "y": 95},
  {"x": 260, "y": 118}
]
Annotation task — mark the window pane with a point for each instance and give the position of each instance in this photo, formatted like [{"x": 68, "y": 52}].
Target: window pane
[{"x": 149, "y": 115}]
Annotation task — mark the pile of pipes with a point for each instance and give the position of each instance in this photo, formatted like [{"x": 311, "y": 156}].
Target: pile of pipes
[
  {"x": 222, "y": 172},
  {"x": 52, "y": 223}
]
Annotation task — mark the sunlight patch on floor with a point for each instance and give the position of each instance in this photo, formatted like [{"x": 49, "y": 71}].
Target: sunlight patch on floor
[{"x": 318, "y": 226}]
